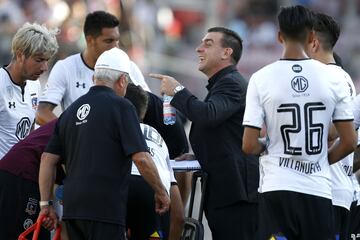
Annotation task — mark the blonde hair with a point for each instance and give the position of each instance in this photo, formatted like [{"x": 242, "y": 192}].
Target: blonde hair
[{"x": 33, "y": 38}]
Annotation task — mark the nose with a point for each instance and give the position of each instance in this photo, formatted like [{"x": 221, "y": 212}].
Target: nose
[
  {"x": 199, "y": 48},
  {"x": 44, "y": 66}
]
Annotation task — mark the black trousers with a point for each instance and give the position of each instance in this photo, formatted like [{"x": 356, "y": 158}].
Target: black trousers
[
  {"x": 354, "y": 228},
  {"x": 296, "y": 216},
  {"x": 93, "y": 230},
  {"x": 236, "y": 221},
  {"x": 19, "y": 206},
  {"x": 341, "y": 222}
]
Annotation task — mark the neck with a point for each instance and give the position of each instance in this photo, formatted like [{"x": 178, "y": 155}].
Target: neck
[
  {"x": 89, "y": 58},
  {"x": 15, "y": 74},
  {"x": 326, "y": 57},
  {"x": 219, "y": 67},
  {"x": 294, "y": 50}
]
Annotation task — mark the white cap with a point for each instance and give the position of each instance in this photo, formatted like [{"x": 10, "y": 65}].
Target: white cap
[{"x": 114, "y": 59}]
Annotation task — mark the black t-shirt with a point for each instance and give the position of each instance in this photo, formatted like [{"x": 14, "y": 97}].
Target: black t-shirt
[
  {"x": 174, "y": 135},
  {"x": 96, "y": 137}
]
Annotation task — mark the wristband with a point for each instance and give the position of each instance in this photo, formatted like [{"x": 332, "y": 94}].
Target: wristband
[{"x": 45, "y": 203}]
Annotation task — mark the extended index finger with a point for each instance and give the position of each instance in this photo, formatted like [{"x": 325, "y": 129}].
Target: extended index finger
[{"x": 157, "y": 76}]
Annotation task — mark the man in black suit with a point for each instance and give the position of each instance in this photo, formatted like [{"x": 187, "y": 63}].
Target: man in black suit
[{"x": 216, "y": 136}]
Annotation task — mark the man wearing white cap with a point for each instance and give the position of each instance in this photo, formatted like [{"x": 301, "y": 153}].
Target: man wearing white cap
[{"x": 96, "y": 138}]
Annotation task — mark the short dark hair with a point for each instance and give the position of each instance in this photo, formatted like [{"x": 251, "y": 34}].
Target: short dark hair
[
  {"x": 231, "y": 40},
  {"x": 138, "y": 97},
  {"x": 295, "y": 22},
  {"x": 327, "y": 30},
  {"x": 96, "y": 21}
]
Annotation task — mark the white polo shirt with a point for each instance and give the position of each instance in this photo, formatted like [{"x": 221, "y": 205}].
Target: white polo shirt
[
  {"x": 71, "y": 78},
  {"x": 296, "y": 101},
  {"x": 17, "y": 110},
  {"x": 159, "y": 153}
]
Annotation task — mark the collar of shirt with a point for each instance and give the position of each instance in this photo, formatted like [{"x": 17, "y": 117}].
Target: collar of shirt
[
  {"x": 219, "y": 75},
  {"x": 101, "y": 88}
]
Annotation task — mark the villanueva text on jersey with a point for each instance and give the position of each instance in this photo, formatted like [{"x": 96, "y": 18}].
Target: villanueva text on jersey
[{"x": 300, "y": 166}]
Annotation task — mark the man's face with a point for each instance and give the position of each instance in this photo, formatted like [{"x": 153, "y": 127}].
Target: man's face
[
  {"x": 33, "y": 66},
  {"x": 108, "y": 39},
  {"x": 210, "y": 52}
]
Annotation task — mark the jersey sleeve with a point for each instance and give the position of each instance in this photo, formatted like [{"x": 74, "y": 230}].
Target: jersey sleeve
[
  {"x": 343, "y": 108},
  {"x": 54, "y": 145},
  {"x": 356, "y": 111},
  {"x": 137, "y": 77},
  {"x": 254, "y": 113},
  {"x": 56, "y": 85}
]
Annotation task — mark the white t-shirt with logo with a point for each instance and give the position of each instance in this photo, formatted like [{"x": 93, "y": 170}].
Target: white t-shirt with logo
[
  {"x": 71, "y": 78},
  {"x": 159, "y": 153},
  {"x": 296, "y": 101},
  {"x": 342, "y": 171},
  {"x": 17, "y": 110}
]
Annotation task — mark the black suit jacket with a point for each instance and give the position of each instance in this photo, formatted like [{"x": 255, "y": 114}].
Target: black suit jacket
[{"x": 216, "y": 138}]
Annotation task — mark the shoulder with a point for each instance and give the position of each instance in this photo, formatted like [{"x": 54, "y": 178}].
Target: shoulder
[{"x": 68, "y": 62}]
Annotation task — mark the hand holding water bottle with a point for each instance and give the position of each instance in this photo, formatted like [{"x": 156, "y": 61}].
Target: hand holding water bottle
[{"x": 168, "y": 84}]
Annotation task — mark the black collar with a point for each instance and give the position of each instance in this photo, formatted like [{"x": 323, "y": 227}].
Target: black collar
[{"x": 219, "y": 75}]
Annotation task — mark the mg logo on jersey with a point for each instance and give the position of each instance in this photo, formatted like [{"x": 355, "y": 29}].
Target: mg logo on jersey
[
  {"x": 31, "y": 206},
  {"x": 299, "y": 84},
  {"x": 23, "y": 128},
  {"x": 28, "y": 223},
  {"x": 83, "y": 111}
]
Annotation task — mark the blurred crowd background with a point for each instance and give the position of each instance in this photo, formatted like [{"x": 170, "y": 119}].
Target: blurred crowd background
[{"x": 161, "y": 35}]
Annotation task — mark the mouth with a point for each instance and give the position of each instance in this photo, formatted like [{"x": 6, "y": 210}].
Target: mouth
[{"x": 201, "y": 59}]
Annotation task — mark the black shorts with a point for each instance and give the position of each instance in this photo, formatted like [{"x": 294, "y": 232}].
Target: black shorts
[
  {"x": 295, "y": 216},
  {"x": 94, "y": 230},
  {"x": 19, "y": 206},
  {"x": 341, "y": 222},
  {"x": 354, "y": 228},
  {"x": 141, "y": 218}
]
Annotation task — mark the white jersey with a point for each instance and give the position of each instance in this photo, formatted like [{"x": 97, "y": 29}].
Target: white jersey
[
  {"x": 356, "y": 110},
  {"x": 341, "y": 172},
  {"x": 160, "y": 155},
  {"x": 17, "y": 110},
  {"x": 71, "y": 78},
  {"x": 296, "y": 101}
]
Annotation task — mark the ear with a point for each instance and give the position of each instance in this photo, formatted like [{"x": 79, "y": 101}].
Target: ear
[
  {"x": 89, "y": 40},
  {"x": 20, "y": 56},
  {"x": 227, "y": 53},
  {"x": 280, "y": 37}
]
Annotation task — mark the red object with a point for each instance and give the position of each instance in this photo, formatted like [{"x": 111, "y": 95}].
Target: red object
[{"x": 36, "y": 229}]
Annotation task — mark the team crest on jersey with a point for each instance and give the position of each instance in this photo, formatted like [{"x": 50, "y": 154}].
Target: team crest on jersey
[
  {"x": 299, "y": 84},
  {"x": 28, "y": 223},
  {"x": 82, "y": 113},
  {"x": 296, "y": 68},
  {"x": 23, "y": 128},
  {"x": 31, "y": 206},
  {"x": 34, "y": 100},
  {"x": 10, "y": 92}
]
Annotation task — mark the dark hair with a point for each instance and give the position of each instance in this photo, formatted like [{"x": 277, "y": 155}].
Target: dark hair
[
  {"x": 327, "y": 30},
  {"x": 138, "y": 97},
  {"x": 96, "y": 21},
  {"x": 231, "y": 40},
  {"x": 295, "y": 22}
]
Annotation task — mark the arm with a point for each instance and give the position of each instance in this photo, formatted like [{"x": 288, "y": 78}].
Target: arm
[
  {"x": 225, "y": 100},
  {"x": 44, "y": 113},
  {"x": 356, "y": 165},
  {"x": 47, "y": 176},
  {"x": 176, "y": 214},
  {"x": 148, "y": 170},
  {"x": 251, "y": 142},
  {"x": 346, "y": 143}
]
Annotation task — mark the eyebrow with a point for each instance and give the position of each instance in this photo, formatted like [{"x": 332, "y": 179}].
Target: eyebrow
[{"x": 207, "y": 40}]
